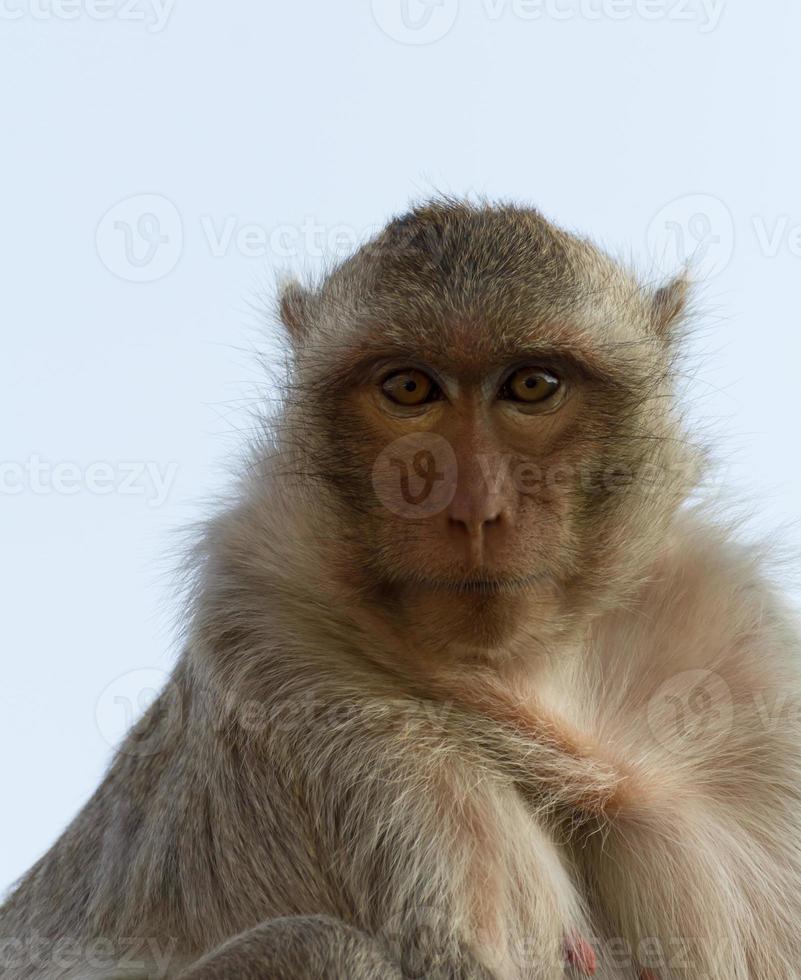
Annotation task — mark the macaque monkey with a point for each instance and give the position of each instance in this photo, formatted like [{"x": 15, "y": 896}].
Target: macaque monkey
[{"x": 470, "y": 689}]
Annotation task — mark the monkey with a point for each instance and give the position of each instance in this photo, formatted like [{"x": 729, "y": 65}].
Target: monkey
[{"x": 472, "y": 685}]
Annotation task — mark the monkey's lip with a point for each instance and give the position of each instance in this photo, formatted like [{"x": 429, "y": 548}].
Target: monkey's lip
[{"x": 489, "y": 584}]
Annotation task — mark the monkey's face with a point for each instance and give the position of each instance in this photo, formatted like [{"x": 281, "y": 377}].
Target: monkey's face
[
  {"x": 463, "y": 468},
  {"x": 489, "y": 413}
]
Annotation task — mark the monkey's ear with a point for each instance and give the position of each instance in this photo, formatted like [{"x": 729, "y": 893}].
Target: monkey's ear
[
  {"x": 669, "y": 303},
  {"x": 295, "y": 309}
]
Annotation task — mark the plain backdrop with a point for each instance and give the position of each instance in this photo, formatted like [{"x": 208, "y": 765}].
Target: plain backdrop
[{"x": 163, "y": 162}]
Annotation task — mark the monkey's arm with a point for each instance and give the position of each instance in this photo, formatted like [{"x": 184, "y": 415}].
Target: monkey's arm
[
  {"x": 708, "y": 862},
  {"x": 300, "y": 947},
  {"x": 395, "y": 819},
  {"x": 357, "y": 807},
  {"x": 553, "y": 762}
]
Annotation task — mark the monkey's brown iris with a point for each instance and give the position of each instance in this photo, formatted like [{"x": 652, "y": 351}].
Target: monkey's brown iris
[
  {"x": 410, "y": 387},
  {"x": 532, "y": 385}
]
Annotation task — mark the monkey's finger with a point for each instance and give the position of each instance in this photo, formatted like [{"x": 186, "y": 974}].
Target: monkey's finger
[{"x": 580, "y": 955}]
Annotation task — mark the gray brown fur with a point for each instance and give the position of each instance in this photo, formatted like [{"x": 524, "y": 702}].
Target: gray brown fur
[{"x": 331, "y": 785}]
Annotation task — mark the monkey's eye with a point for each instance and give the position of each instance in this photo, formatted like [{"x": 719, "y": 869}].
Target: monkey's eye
[
  {"x": 410, "y": 387},
  {"x": 532, "y": 386}
]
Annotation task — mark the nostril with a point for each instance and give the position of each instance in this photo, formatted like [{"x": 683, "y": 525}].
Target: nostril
[
  {"x": 476, "y": 525},
  {"x": 458, "y": 522},
  {"x": 474, "y": 513}
]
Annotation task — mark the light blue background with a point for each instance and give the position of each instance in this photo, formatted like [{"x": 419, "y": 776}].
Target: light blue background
[{"x": 257, "y": 132}]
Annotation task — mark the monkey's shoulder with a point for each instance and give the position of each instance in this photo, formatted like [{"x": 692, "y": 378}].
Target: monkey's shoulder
[{"x": 708, "y": 603}]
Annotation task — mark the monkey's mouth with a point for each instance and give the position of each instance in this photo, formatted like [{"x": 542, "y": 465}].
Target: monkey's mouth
[{"x": 490, "y": 584}]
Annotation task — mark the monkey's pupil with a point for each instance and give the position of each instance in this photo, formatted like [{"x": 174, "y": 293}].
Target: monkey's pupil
[
  {"x": 531, "y": 382},
  {"x": 410, "y": 385}
]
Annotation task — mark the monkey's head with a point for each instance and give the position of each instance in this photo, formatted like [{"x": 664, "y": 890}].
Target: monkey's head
[{"x": 483, "y": 402}]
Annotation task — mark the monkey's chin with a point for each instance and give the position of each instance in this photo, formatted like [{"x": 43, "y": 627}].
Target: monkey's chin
[{"x": 483, "y": 614}]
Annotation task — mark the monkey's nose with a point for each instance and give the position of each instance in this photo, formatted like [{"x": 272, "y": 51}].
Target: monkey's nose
[
  {"x": 474, "y": 516},
  {"x": 474, "y": 527}
]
